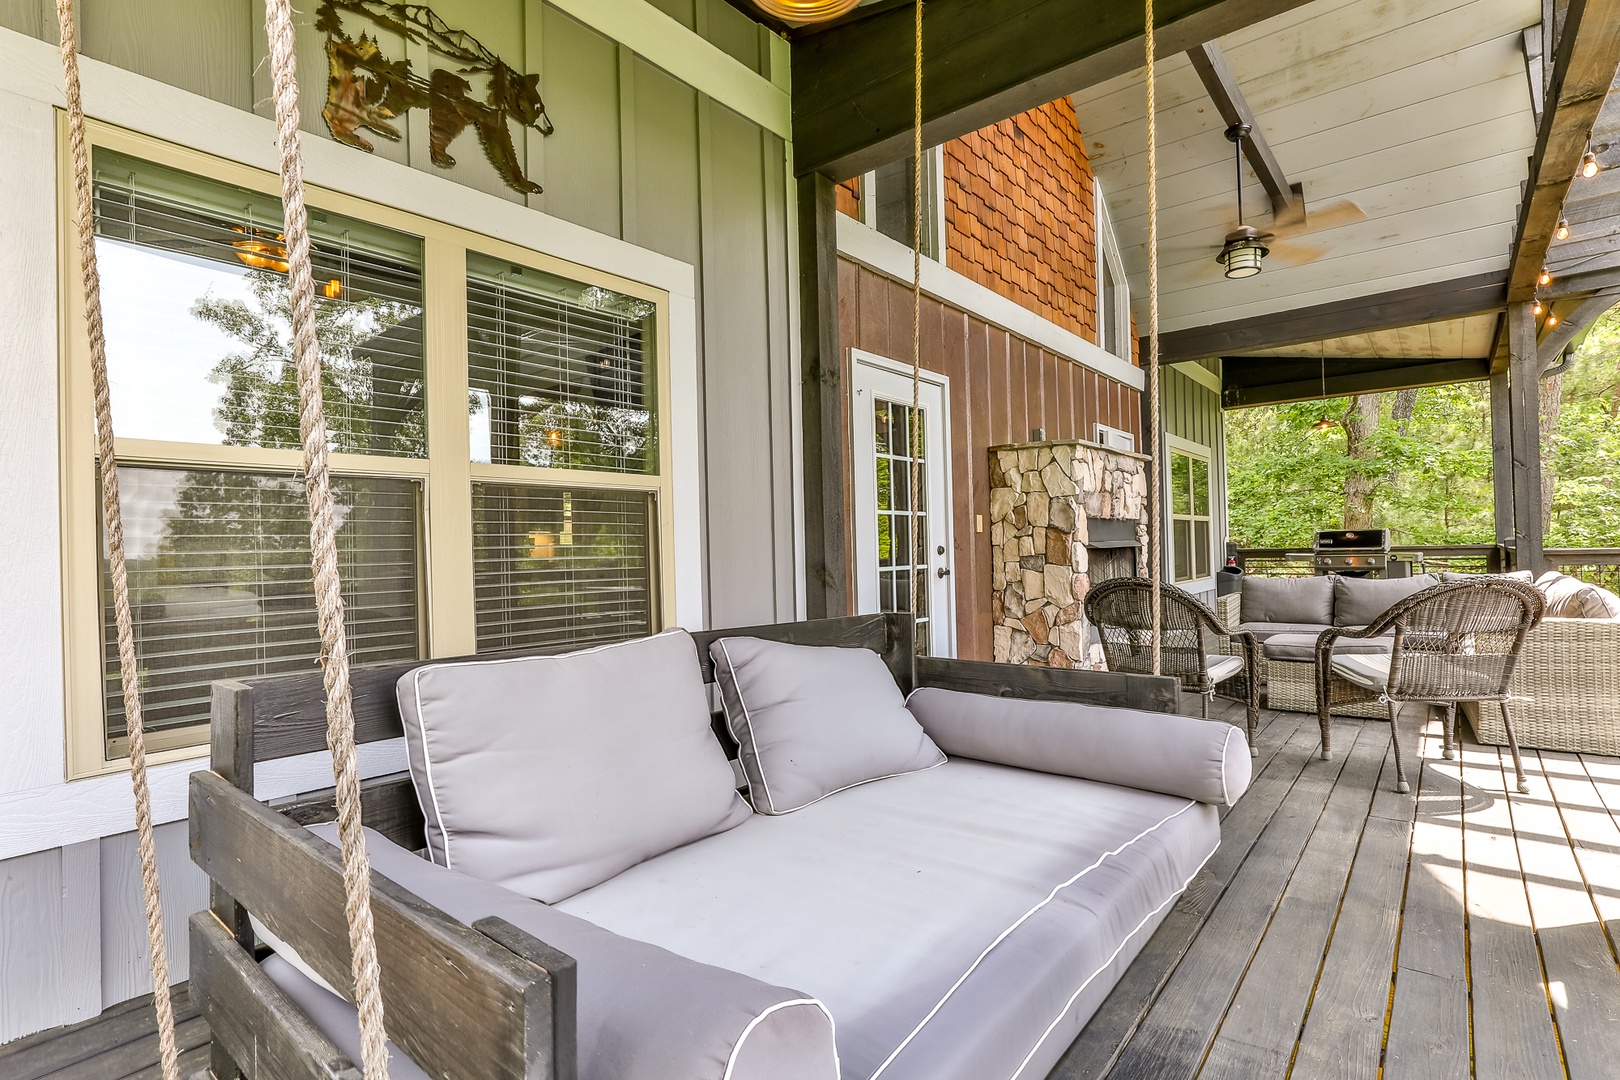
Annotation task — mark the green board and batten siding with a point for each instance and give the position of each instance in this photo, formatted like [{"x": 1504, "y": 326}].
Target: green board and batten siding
[{"x": 638, "y": 155}]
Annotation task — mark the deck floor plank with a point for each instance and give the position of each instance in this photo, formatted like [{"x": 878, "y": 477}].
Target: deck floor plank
[{"x": 46, "y": 1055}]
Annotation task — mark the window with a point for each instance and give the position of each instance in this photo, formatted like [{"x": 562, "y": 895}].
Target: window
[
  {"x": 502, "y": 489},
  {"x": 1113, "y": 293},
  {"x": 888, "y": 202},
  {"x": 1189, "y": 515}
]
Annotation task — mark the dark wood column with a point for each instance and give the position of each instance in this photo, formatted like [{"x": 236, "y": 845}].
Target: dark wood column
[
  {"x": 1502, "y": 456},
  {"x": 826, "y": 517},
  {"x": 1524, "y": 378}
]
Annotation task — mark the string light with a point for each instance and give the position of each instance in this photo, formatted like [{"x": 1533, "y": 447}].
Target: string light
[
  {"x": 1552, "y": 320},
  {"x": 1563, "y": 230},
  {"x": 1545, "y": 278},
  {"x": 1536, "y": 310},
  {"x": 1589, "y": 165}
]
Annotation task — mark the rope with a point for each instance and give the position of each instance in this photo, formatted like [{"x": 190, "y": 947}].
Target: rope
[
  {"x": 323, "y": 547},
  {"x": 1155, "y": 421},
  {"x": 113, "y": 523},
  {"x": 915, "y": 429}
]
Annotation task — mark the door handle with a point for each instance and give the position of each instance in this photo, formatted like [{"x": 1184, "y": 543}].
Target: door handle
[{"x": 943, "y": 571}]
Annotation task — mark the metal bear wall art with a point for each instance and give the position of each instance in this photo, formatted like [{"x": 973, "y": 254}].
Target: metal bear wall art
[{"x": 366, "y": 90}]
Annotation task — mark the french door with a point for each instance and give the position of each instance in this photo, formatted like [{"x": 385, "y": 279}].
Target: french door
[{"x": 900, "y": 540}]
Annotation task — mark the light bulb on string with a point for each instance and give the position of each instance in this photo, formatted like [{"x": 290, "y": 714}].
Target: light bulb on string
[{"x": 1563, "y": 230}]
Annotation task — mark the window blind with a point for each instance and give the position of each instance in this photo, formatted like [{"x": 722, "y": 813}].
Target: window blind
[
  {"x": 194, "y": 282},
  {"x": 561, "y": 567},
  {"x": 561, "y": 374},
  {"x": 220, "y": 583}
]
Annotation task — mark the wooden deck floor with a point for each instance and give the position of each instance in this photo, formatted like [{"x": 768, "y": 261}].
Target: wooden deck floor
[{"x": 1341, "y": 931}]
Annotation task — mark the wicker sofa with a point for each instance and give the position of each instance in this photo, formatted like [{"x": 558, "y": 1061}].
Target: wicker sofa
[{"x": 1566, "y": 687}]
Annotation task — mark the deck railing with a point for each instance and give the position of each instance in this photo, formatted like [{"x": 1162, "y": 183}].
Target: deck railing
[{"x": 1600, "y": 566}]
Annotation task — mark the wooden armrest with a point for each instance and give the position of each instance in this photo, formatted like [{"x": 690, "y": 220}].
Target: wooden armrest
[{"x": 1152, "y": 693}]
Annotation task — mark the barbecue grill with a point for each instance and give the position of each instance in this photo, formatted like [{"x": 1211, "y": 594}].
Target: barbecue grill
[{"x": 1352, "y": 552}]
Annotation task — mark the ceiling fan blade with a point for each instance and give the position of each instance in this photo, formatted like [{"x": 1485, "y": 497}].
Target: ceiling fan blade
[
  {"x": 1293, "y": 253},
  {"x": 1320, "y": 219}
]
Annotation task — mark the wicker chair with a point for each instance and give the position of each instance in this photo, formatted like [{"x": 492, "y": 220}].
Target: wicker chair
[
  {"x": 1452, "y": 643},
  {"x": 1122, "y": 611}
]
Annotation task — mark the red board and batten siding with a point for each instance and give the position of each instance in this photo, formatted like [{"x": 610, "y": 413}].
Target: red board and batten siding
[{"x": 1002, "y": 388}]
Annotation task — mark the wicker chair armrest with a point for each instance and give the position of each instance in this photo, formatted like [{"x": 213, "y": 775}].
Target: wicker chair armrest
[{"x": 1229, "y": 609}]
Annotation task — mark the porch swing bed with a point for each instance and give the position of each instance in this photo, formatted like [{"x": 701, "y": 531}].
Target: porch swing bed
[{"x": 941, "y": 869}]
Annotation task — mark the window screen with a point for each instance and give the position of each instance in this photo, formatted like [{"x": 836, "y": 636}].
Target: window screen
[
  {"x": 561, "y": 374},
  {"x": 561, "y": 567},
  {"x": 219, "y": 581},
  {"x": 194, "y": 287}
]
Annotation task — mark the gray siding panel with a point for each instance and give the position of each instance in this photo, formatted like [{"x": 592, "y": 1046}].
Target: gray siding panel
[
  {"x": 125, "y": 970},
  {"x": 49, "y": 968},
  {"x": 579, "y": 79}
]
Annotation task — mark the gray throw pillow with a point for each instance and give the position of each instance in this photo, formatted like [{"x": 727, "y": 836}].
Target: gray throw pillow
[
  {"x": 1359, "y": 601},
  {"x": 1307, "y": 600},
  {"x": 1571, "y": 598},
  {"x": 550, "y": 774},
  {"x": 812, "y": 721}
]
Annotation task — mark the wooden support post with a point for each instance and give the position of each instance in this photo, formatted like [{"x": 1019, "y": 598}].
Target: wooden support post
[
  {"x": 1502, "y": 457},
  {"x": 1524, "y": 378},
  {"x": 826, "y": 565}
]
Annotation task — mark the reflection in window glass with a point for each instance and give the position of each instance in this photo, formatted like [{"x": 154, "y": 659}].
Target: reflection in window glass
[
  {"x": 220, "y": 584},
  {"x": 194, "y": 287},
  {"x": 561, "y": 374},
  {"x": 561, "y": 568}
]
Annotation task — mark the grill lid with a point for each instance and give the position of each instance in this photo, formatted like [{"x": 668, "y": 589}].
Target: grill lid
[{"x": 1352, "y": 540}]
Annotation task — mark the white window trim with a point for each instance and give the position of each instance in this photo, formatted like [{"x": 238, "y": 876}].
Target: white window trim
[
  {"x": 1187, "y": 446},
  {"x": 865, "y": 204},
  {"x": 38, "y": 809},
  {"x": 1108, "y": 253}
]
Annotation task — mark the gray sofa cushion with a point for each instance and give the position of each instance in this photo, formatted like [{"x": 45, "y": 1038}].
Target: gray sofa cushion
[
  {"x": 549, "y": 774},
  {"x": 959, "y": 923},
  {"x": 1265, "y": 630},
  {"x": 1288, "y": 600},
  {"x": 1449, "y": 576},
  {"x": 1571, "y": 598},
  {"x": 1175, "y": 755},
  {"x": 812, "y": 721},
  {"x": 1301, "y": 648},
  {"x": 1360, "y": 601},
  {"x": 643, "y": 1012}
]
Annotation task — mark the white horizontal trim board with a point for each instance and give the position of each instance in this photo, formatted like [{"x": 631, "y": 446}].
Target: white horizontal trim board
[
  {"x": 892, "y": 259},
  {"x": 1199, "y": 374},
  {"x": 651, "y": 34}
]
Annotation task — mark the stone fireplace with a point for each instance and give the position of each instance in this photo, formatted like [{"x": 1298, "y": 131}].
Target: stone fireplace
[{"x": 1062, "y": 515}]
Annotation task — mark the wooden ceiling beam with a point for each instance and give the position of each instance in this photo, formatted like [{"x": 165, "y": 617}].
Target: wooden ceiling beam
[
  {"x": 1584, "y": 64},
  {"x": 983, "y": 61},
  {"x": 1287, "y": 200},
  {"x": 1478, "y": 294},
  {"x": 1299, "y": 378}
]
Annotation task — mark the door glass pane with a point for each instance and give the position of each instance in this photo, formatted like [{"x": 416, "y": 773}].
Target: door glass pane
[
  {"x": 1180, "y": 484},
  {"x": 1181, "y": 543},
  {"x": 561, "y": 373},
  {"x": 195, "y": 293},
  {"x": 220, "y": 586},
  {"x": 901, "y": 557},
  {"x": 1200, "y": 486},
  {"x": 561, "y": 567}
]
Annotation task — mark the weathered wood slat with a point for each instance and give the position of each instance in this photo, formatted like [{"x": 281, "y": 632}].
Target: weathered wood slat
[
  {"x": 1512, "y": 1024},
  {"x": 1261, "y": 1026},
  {"x": 1171, "y": 1042},
  {"x": 1580, "y": 963},
  {"x": 458, "y": 1004},
  {"x": 1428, "y": 1020},
  {"x": 1112, "y": 689},
  {"x": 133, "y": 1057},
  {"x": 252, "y": 1019},
  {"x": 1285, "y": 745},
  {"x": 388, "y": 805},
  {"x": 49, "y": 1052},
  {"x": 558, "y": 1018}
]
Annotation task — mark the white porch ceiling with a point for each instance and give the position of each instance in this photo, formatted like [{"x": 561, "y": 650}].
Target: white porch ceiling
[{"x": 1409, "y": 123}]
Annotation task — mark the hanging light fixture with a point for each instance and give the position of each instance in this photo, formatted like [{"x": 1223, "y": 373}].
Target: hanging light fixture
[
  {"x": 1244, "y": 247},
  {"x": 805, "y": 11},
  {"x": 1323, "y": 423}
]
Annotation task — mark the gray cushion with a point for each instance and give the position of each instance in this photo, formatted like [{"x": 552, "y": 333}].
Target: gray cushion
[
  {"x": 1288, "y": 600},
  {"x": 1176, "y": 755},
  {"x": 959, "y": 923},
  {"x": 1360, "y": 601},
  {"x": 1265, "y": 630},
  {"x": 549, "y": 774},
  {"x": 1222, "y": 667},
  {"x": 1367, "y": 670},
  {"x": 1449, "y": 576},
  {"x": 812, "y": 721},
  {"x": 643, "y": 1012},
  {"x": 1571, "y": 598},
  {"x": 1301, "y": 648}
]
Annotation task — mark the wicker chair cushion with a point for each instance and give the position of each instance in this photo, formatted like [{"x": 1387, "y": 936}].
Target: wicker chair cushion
[
  {"x": 1288, "y": 600},
  {"x": 1222, "y": 668},
  {"x": 1571, "y": 598},
  {"x": 1370, "y": 671},
  {"x": 1301, "y": 648},
  {"x": 1264, "y": 631},
  {"x": 1449, "y": 577},
  {"x": 1359, "y": 601}
]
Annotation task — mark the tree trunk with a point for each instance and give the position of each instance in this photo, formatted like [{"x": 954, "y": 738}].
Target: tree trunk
[
  {"x": 1360, "y": 420},
  {"x": 1551, "y": 392}
]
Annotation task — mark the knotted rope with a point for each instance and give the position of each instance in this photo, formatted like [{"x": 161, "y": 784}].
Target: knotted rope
[
  {"x": 1155, "y": 421},
  {"x": 914, "y": 430},
  {"x": 323, "y": 546},
  {"x": 113, "y": 524}
]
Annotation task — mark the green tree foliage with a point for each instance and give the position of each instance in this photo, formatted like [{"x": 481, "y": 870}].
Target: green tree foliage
[{"x": 1430, "y": 471}]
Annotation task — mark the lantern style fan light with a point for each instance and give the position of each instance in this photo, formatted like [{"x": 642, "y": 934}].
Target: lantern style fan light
[
  {"x": 805, "y": 11},
  {"x": 1245, "y": 246}
]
